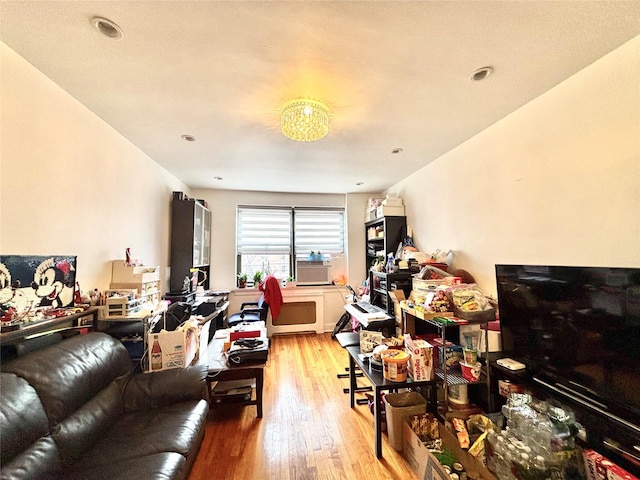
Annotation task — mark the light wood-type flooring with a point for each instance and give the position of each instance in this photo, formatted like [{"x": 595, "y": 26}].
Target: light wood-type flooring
[{"x": 308, "y": 431}]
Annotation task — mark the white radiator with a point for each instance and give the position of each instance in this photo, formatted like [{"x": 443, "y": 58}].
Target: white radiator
[{"x": 299, "y": 313}]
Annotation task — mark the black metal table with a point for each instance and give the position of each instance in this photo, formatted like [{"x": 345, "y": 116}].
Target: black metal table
[{"x": 380, "y": 384}]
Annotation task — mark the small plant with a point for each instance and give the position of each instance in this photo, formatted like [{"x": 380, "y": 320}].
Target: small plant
[
  {"x": 242, "y": 280},
  {"x": 257, "y": 278}
]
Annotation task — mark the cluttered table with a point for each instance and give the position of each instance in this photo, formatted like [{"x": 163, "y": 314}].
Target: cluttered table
[
  {"x": 380, "y": 384},
  {"x": 222, "y": 370},
  {"x": 65, "y": 319}
]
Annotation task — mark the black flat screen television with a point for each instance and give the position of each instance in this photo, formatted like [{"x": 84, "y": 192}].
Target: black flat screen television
[{"x": 577, "y": 329}]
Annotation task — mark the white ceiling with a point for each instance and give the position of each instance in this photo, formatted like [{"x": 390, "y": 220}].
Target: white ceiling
[{"x": 394, "y": 75}]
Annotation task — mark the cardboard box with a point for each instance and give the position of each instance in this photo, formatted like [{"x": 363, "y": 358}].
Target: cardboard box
[
  {"x": 397, "y": 297},
  {"x": 599, "y": 467},
  {"x": 420, "y": 358},
  {"x": 425, "y": 315},
  {"x": 495, "y": 341},
  {"x": 426, "y": 285},
  {"x": 369, "y": 340},
  {"x": 450, "y": 353},
  {"x": 178, "y": 348},
  {"x": 426, "y": 465},
  {"x": 122, "y": 273},
  {"x": 389, "y": 211},
  {"x": 506, "y": 388}
]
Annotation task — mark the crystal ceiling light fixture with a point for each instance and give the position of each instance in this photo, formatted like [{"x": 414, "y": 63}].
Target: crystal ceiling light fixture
[{"x": 304, "y": 120}]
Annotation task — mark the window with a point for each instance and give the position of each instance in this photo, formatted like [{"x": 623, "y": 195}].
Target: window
[{"x": 270, "y": 238}]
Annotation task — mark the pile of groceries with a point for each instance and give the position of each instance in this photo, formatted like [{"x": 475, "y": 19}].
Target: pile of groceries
[{"x": 538, "y": 442}]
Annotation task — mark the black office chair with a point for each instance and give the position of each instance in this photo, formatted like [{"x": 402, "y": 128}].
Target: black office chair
[{"x": 250, "y": 312}]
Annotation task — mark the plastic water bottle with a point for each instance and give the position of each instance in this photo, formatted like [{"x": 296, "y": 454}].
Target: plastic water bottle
[
  {"x": 491, "y": 445},
  {"x": 502, "y": 463},
  {"x": 539, "y": 468},
  {"x": 511, "y": 458},
  {"x": 524, "y": 467}
]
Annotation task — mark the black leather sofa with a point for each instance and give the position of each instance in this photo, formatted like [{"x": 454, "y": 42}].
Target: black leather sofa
[{"x": 76, "y": 410}]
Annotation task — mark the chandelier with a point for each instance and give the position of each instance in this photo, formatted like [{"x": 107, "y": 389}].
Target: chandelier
[{"x": 304, "y": 120}]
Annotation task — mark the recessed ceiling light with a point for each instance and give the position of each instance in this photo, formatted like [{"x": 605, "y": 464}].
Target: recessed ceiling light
[
  {"x": 480, "y": 74},
  {"x": 397, "y": 150},
  {"x": 188, "y": 138},
  {"x": 107, "y": 27}
]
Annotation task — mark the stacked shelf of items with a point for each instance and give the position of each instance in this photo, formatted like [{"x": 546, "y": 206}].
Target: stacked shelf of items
[
  {"x": 383, "y": 235},
  {"x": 132, "y": 306},
  {"x": 144, "y": 279},
  {"x": 132, "y": 328},
  {"x": 190, "y": 243},
  {"x": 381, "y": 283},
  {"x": 444, "y": 322}
]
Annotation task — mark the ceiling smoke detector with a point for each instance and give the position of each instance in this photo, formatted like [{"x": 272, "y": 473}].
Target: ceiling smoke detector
[
  {"x": 481, "y": 74},
  {"x": 107, "y": 27}
]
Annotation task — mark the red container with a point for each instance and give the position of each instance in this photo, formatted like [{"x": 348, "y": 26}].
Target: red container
[{"x": 471, "y": 373}]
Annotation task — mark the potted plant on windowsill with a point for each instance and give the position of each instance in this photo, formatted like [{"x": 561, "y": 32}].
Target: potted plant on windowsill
[
  {"x": 257, "y": 278},
  {"x": 242, "y": 280}
]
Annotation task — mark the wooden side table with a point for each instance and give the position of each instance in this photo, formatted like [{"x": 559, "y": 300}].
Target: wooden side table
[{"x": 221, "y": 371}]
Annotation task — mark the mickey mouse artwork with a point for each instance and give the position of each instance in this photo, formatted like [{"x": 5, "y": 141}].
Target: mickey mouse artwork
[
  {"x": 44, "y": 281},
  {"x": 54, "y": 283},
  {"x": 5, "y": 284}
]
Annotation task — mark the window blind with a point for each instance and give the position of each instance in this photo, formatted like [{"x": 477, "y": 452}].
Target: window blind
[
  {"x": 318, "y": 230},
  {"x": 264, "y": 231}
]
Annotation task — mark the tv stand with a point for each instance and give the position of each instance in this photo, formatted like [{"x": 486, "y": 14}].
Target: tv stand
[
  {"x": 581, "y": 400},
  {"x": 606, "y": 431}
]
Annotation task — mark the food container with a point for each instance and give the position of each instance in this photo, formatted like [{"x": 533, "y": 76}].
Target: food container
[
  {"x": 470, "y": 356},
  {"x": 395, "y": 365},
  {"x": 471, "y": 372}
]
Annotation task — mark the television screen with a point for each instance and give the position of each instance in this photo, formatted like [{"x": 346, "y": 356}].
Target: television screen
[
  {"x": 579, "y": 326},
  {"x": 28, "y": 281}
]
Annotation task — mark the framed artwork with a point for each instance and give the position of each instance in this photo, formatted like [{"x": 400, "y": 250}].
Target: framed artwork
[{"x": 29, "y": 281}]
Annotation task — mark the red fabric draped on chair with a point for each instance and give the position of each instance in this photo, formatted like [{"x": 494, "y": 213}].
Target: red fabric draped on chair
[{"x": 272, "y": 294}]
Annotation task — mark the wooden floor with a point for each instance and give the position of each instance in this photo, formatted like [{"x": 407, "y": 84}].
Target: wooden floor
[{"x": 308, "y": 430}]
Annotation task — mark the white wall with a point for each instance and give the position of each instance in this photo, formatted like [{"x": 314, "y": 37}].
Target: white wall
[
  {"x": 223, "y": 203},
  {"x": 556, "y": 182},
  {"x": 71, "y": 184}
]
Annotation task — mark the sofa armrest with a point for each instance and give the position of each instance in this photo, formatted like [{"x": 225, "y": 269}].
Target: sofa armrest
[{"x": 155, "y": 389}]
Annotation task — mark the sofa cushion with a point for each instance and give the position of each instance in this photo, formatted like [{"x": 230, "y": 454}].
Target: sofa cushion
[
  {"x": 80, "y": 383},
  {"x": 161, "y": 466},
  {"x": 69, "y": 374},
  {"x": 174, "y": 428},
  {"x": 151, "y": 390},
  {"x": 26, "y": 448}
]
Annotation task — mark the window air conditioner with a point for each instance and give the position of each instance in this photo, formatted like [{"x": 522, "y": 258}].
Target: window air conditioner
[{"x": 313, "y": 272}]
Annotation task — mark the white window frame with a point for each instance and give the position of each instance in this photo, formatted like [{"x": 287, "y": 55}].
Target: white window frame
[{"x": 296, "y": 240}]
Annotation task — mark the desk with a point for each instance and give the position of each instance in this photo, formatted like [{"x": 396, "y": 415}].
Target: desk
[
  {"x": 221, "y": 371},
  {"x": 51, "y": 325},
  {"x": 380, "y": 384}
]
